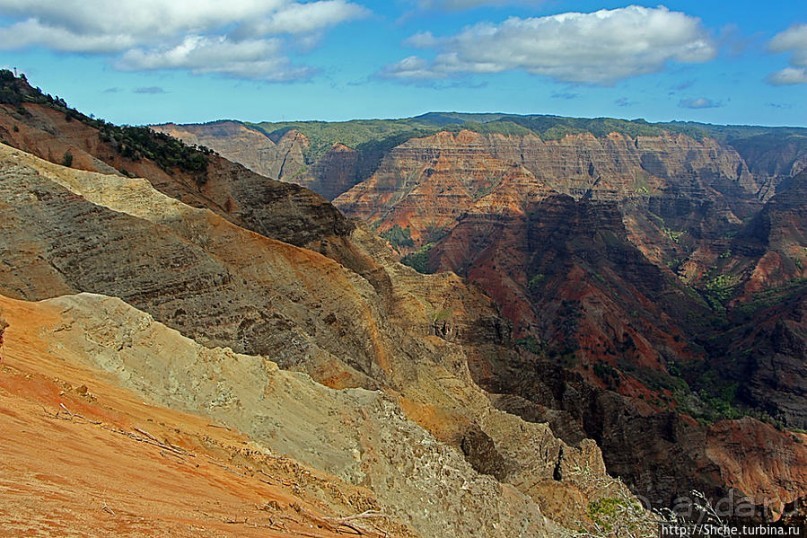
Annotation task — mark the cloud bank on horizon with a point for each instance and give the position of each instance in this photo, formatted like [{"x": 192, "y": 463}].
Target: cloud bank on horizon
[{"x": 469, "y": 4}]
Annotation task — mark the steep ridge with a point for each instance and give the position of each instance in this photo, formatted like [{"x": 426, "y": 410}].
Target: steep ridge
[
  {"x": 49, "y": 129},
  {"x": 234, "y": 141},
  {"x": 226, "y": 286}
]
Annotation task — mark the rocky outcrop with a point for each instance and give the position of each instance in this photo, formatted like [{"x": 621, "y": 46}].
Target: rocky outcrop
[{"x": 664, "y": 455}]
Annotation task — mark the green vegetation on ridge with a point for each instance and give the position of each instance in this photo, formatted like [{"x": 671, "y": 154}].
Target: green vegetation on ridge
[
  {"x": 322, "y": 135},
  {"x": 369, "y": 134},
  {"x": 132, "y": 142}
]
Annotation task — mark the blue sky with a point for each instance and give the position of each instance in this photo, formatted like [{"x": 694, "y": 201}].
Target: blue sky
[{"x": 154, "y": 61}]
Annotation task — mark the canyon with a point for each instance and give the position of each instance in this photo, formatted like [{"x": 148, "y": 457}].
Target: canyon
[
  {"x": 597, "y": 318},
  {"x": 652, "y": 276}
]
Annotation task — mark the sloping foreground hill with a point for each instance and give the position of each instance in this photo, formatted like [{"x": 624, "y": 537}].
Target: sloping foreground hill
[
  {"x": 53, "y": 352},
  {"x": 83, "y": 455}
]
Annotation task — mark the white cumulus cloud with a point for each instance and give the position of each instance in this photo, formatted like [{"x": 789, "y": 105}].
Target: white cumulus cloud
[
  {"x": 248, "y": 59},
  {"x": 299, "y": 18},
  {"x": 243, "y": 38},
  {"x": 412, "y": 68},
  {"x": 596, "y": 48},
  {"x": 794, "y": 41}
]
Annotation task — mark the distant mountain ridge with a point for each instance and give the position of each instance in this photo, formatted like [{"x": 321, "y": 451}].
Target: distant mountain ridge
[{"x": 760, "y": 147}]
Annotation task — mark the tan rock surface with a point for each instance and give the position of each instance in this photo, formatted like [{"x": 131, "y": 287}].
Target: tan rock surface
[{"x": 82, "y": 455}]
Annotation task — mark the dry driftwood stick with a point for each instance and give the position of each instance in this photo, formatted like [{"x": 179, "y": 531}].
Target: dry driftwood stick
[
  {"x": 354, "y": 528},
  {"x": 166, "y": 445},
  {"x": 74, "y": 415},
  {"x": 364, "y": 515},
  {"x": 66, "y": 410},
  {"x": 347, "y": 521},
  {"x": 147, "y": 434},
  {"x": 150, "y": 440},
  {"x": 107, "y": 509}
]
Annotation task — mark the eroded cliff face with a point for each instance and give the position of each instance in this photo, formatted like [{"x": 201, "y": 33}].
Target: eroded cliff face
[
  {"x": 614, "y": 168},
  {"x": 425, "y": 185},
  {"x": 676, "y": 193},
  {"x": 618, "y": 166},
  {"x": 386, "y": 328},
  {"x": 606, "y": 256}
]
